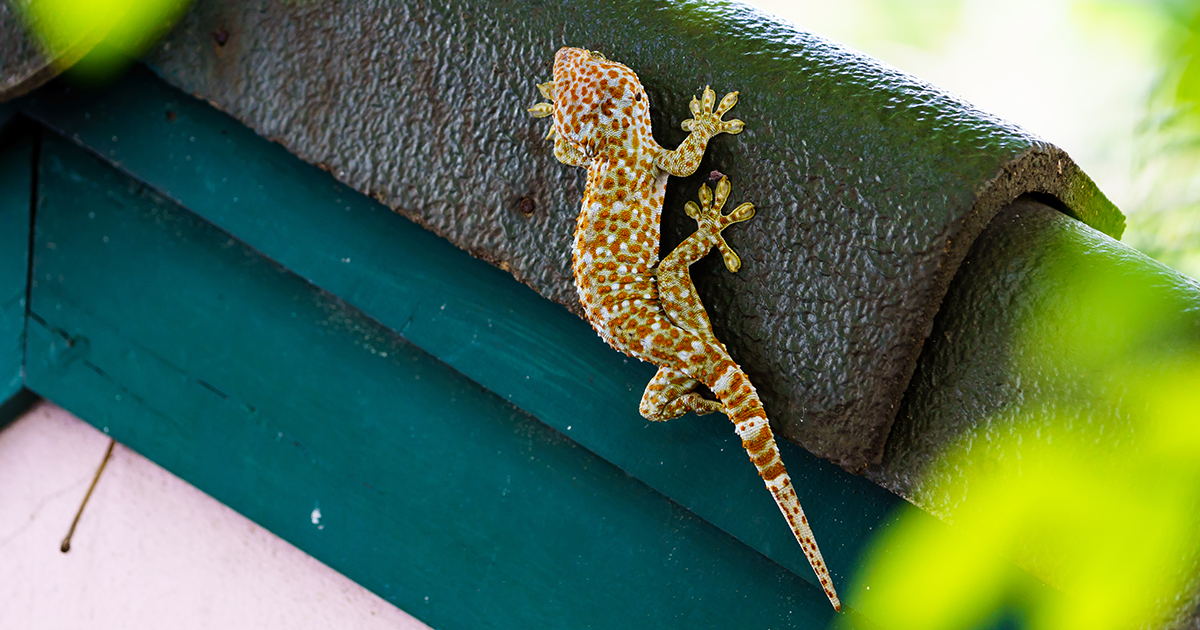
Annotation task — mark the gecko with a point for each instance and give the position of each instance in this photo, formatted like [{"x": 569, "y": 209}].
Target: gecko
[{"x": 640, "y": 305}]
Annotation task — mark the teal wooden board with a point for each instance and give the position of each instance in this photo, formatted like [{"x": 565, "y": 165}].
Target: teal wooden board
[
  {"x": 278, "y": 399},
  {"x": 16, "y": 168},
  {"x": 16, "y": 406},
  {"x": 8, "y": 111},
  {"x": 476, "y": 318}
]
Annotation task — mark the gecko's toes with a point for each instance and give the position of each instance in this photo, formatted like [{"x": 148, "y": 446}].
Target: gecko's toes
[
  {"x": 744, "y": 212},
  {"x": 732, "y": 126},
  {"x": 722, "y": 193},
  {"x": 727, "y": 103},
  {"x": 732, "y": 262},
  {"x": 706, "y": 198}
]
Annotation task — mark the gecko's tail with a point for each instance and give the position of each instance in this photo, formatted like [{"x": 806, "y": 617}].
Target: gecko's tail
[{"x": 750, "y": 421}]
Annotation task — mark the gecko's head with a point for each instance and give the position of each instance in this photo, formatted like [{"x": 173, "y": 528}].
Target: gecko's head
[{"x": 597, "y": 103}]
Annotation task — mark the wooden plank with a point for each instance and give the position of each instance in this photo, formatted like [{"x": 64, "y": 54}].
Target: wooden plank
[
  {"x": 280, "y": 400},
  {"x": 16, "y": 168},
  {"x": 465, "y": 312}
]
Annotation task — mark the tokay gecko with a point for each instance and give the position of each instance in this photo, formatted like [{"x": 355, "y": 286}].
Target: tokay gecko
[{"x": 640, "y": 305}]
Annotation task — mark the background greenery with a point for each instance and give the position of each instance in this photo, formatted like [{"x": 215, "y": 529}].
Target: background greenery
[{"x": 1113, "y": 82}]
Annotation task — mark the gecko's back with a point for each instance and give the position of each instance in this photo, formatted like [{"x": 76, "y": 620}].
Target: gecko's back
[{"x": 601, "y": 111}]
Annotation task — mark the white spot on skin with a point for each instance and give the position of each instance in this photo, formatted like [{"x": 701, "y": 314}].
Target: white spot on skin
[
  {"x": 723, "y": 382},
  {"x": 316, "y": 515}
]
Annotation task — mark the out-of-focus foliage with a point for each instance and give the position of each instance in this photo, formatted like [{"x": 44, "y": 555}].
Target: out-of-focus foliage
[
  {"x": 925, "y": 24},
  {"x": 1107, "y": 514},
  {"x": 1114, "y": 82},
  {"x": 98, "y": 38},
  {"x": 1166, "y": 222}
]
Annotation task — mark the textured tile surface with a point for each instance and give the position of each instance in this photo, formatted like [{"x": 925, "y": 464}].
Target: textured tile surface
[{"x": 870, "y": 184}]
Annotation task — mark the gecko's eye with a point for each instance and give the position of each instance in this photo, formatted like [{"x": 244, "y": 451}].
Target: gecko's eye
[{"x": 638, "y": 97}]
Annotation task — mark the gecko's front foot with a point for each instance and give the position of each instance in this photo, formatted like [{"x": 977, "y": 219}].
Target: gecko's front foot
[
  {"x": 708, "y": 121},
  {"x": 710, "y": 220}
]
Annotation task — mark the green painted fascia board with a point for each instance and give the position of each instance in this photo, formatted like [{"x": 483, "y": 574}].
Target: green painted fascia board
[
  {"x": 16, "y": 406},
  {"x": 16, "y": 169},
  {"x": 476, "y": 318},
  {"x": 278, "y": 399}
]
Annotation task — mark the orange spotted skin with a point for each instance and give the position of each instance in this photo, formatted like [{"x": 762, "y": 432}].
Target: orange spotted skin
[{"x": 640, "y": 305}]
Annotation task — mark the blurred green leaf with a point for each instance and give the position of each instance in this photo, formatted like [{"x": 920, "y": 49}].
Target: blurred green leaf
[
  {"x": 98, "y": 38},
  {"x": 1105, "y": 513}
]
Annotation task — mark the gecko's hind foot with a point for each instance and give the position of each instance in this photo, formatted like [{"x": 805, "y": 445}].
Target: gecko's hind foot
[
  {"x": 671, "y": 394},
  {"x": 711, "y": 221}
]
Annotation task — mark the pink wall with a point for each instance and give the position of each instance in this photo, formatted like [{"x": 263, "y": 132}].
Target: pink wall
[{"x": 150, "y": 551}]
